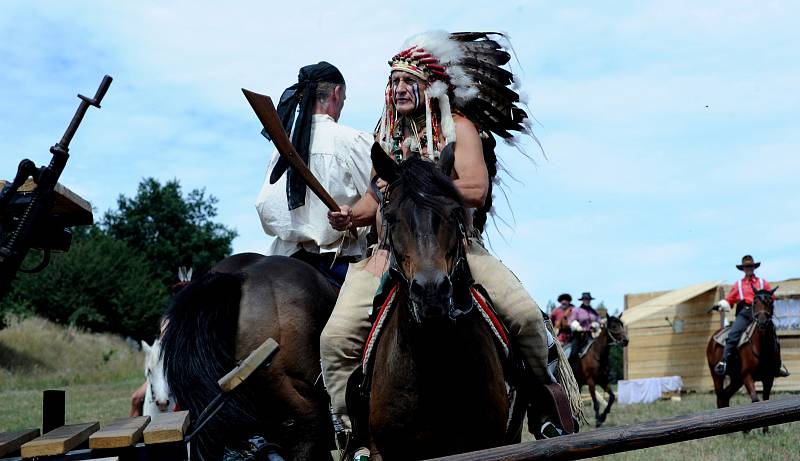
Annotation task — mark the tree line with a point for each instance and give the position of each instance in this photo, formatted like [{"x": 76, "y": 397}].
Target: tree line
[{"x": 117, "y": 274}]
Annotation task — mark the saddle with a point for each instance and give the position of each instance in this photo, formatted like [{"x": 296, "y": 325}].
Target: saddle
[
  {"x": 722, "y": 335},
  {"x": 515, "y": 368},
  {"x": 583, "y": 351}
]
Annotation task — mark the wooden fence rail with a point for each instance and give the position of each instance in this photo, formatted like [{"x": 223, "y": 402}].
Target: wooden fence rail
[{"x": 636, "y": 436}]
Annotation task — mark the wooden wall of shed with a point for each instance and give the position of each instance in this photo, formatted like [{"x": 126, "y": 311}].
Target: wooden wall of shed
[{"x": 655, "y": 350}]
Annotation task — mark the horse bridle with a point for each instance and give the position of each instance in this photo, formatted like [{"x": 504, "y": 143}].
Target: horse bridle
[
  {"x": 763, "y": 316},
  {"x": 614, "y": 341},
  {"x": 458, "y": 265}
]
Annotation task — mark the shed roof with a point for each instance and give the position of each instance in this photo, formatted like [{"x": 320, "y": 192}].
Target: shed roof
[{"x": 666, "y": 302}]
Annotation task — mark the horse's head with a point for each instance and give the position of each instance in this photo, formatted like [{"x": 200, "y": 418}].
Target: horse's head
[
  {"x": 154, "y": 372},
  {"x": 425, "y": 220},
  {"x": 615, "y": 329},
  {"x": 763, "y": 305}
]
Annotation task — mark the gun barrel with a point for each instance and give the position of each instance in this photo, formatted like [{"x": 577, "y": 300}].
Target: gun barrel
[{"x": 85, "y": 103}]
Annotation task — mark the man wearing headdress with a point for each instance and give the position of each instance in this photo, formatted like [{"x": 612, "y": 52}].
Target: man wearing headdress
[
  {"x": 336, "y": 154},
  {"x": 742, "y": 295},
  {"x": 443, "y": 90}
]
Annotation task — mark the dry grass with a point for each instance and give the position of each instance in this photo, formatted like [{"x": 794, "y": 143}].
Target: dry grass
[{"x": 98, "y": 371}]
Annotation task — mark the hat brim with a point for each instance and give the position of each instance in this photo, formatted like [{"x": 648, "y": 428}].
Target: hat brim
[
  {"x": 589, "y": 298},
  {"x": 755, "y": 266}
]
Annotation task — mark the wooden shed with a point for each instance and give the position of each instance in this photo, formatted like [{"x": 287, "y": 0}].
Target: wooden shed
[{"x": 669, "y": 331}]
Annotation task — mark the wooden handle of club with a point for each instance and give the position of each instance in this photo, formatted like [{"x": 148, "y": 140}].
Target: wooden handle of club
[{"x": 247, "y": 366}]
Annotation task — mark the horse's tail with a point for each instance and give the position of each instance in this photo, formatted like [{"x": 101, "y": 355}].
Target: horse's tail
[{"x": 198, "y": 349}]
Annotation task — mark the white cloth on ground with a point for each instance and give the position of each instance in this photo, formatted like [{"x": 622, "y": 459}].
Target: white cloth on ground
[
  {"x": 646, "y": 390},
  {"x": 339, "y": 157}
]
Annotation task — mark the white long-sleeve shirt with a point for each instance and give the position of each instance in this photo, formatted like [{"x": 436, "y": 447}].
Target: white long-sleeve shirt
[{"x": 339, "y": 158}]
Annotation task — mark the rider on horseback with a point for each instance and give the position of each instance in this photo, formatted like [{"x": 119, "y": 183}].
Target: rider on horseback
[
  {"x": 337, "y": 155},
  {"x": 560, "y": 318},
  {"x": 427, "y": 78},
  {"x": 741, "y": 295},
  {"x": 585, "y": 323}
]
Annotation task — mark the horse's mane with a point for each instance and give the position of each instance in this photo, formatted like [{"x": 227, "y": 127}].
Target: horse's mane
[{"x": 425, "y": 185}]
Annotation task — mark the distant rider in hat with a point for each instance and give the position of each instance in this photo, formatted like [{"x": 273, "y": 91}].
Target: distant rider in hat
[
  {"x": 583, "y": 321},
  {"x": 560, "y": 318},
  {"x": 741, "y": 295}
]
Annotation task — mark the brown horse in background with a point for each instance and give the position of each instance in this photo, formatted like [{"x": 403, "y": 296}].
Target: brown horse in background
[
  {"x": 592, "y": 369},
  {"x": 220, "y": 318},
  {"x": 437, "y": 386},
  {"x": 757, "y": 359}
]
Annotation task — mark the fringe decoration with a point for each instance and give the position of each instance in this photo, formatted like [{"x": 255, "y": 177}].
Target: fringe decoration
[
  {"x": 432, "y": 154},
  {"x": 566, "y": 379}
]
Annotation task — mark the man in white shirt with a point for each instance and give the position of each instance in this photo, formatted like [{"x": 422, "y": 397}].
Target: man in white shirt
[{"x": 337, "y": 155}]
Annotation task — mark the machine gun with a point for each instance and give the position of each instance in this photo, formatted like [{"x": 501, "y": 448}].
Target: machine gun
[{"x": 27, "y": 215}]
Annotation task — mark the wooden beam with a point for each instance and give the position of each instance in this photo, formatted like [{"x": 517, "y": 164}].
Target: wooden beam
[
  {"x": 167, "y": 427},
  {"x": 11, "y": 441},
  {"x": 120, "y": 433},
  {"x": 60, "y": 440},
  {"x": 655, "y": 433}
]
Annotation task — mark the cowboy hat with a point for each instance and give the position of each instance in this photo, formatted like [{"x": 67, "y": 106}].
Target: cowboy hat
[
  {"x": 564, "y": 297},
  {"x": 586, "y": 295},
  {"x": 748, "y": 260}
]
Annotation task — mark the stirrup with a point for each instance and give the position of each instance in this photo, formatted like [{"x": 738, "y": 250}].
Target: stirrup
[
  {"x": 783, "y": 372},
  {"x": 362, "y": 454},
  {"x": 550, "y": 430},
  {"x": 721, "y": 368}
]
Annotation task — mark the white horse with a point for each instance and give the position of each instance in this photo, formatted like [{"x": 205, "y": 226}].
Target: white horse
[{"x": 157, "y": 397}]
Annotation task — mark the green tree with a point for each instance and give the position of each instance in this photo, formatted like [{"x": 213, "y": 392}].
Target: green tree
[
  {"x": 170, "y": 230},
  {"x": 101, "y": 284}
]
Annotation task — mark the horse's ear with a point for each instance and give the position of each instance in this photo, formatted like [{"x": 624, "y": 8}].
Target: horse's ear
[
  {"x": 383, "y": 164},
  {"x": 774, "y": 290},
  {"x": 145, "y": 347}
]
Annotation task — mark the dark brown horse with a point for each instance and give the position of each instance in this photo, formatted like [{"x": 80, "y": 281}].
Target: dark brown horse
[
  {"x": 224, "y": 315},
  {"x": 758, "y": 359},
  {"x": 437, "y": 385},
  {"x": 592, "y": 369}
]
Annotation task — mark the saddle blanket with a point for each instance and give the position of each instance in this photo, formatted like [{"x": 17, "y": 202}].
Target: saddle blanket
[
  {"x": 723, "y": 335},
  {"x": 479, "y": 302},
  {"x": 646, "y": 390},
  {"x": 584, "y": 350}
]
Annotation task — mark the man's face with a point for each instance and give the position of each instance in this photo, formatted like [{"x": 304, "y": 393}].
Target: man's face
[
  {"x": 586, "y": 302},
  {"x": 749, "y": 269},
  {"x": 564, "y": 304},
  {"x": 407, "y": 91}
]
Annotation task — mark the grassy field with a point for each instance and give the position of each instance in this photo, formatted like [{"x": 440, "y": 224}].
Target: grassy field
[{"x": 99, "y": 372}]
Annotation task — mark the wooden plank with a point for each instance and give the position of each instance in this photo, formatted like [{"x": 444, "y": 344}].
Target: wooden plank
[
  {"x": 110, "y": 458},
  {"x": 59, "y": 441},
  {"x": 120, "y": 433},
  {"x": 11, "y": 441},
  {"x": 606, "y": 441},
  {"x": 250, "y": 364},
  {"x": 76, "y": 210},
  {"x": 167, "y": 427}
]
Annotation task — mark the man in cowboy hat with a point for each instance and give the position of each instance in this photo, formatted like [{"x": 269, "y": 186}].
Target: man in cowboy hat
[
  {"x": 741, "y": 295},
  {"x": 583, "y": 321},
  {"x": 560, "y": 318}
]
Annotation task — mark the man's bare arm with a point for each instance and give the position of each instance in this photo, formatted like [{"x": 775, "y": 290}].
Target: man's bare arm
[{"x": 472, "y": 176}]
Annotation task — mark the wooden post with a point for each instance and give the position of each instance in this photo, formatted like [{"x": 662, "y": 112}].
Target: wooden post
[
  {"x": 53, "y": 410},
  {"x": 636, "y": 436}
]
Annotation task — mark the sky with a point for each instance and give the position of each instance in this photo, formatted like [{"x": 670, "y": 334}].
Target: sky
[{"x": 669, "y": 129}]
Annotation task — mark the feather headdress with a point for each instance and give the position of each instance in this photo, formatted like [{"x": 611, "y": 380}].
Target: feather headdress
[{"x": 464, "y": 72}]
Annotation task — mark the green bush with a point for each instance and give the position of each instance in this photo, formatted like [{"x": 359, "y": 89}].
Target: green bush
[{"x": 101, "y": 284}]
